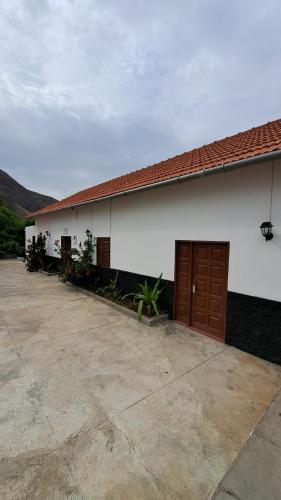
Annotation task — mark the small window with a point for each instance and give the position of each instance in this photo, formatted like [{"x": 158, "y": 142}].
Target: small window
[{"x": 103, "y": 252}]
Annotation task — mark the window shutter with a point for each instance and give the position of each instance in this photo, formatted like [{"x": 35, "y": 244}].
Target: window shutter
[{"x": 103, "y": 252}]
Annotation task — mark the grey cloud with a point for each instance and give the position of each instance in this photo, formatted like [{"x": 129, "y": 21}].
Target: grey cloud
[{"x": 92, "y": 89}]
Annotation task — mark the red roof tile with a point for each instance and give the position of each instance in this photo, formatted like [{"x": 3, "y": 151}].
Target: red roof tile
[{"x": 253, "y": 142}]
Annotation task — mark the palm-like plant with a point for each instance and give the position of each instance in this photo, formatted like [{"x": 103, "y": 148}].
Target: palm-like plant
[{"x": 148, "y": 296}]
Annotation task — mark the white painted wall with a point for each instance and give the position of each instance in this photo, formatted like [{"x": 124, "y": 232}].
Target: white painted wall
[
  {"x": 74, "y": 222},
  {"x": 225, "y": 207},
  {"x": 29, "y": 232}
]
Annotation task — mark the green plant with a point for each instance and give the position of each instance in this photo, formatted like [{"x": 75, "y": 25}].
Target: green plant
[
  {"x": 148, "y": 296},
  {"x": 11, "y": 232},
  {"x": 36, "y": 253},
  {"x": 76, "y": 264},
  {"x": 111, "y": 291}
]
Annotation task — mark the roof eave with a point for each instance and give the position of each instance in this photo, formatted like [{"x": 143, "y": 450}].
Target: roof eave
[{"x": 272, "y": 155}]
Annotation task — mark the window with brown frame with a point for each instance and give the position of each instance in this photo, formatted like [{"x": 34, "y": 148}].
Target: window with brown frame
[{"x": 103, "y": 252}]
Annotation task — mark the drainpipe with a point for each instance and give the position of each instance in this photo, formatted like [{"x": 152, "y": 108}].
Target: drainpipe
[{"x": 273, "y": 155}]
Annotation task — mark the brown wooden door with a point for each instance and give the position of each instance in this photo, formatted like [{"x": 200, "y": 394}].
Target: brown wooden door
[
  {"x": 65, "y": 246},
  {"x": 201, "y": 271},
  {"x": 183, "y": 281},
  {"x": 209, "y": 288},
  {"x": 103, "y": 252}
]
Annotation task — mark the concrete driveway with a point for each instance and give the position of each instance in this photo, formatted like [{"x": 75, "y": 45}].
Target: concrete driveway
[{"x": 94, "y": 405}]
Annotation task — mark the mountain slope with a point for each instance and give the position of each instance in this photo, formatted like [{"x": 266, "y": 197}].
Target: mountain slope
[{"x": 21, "y": 200}]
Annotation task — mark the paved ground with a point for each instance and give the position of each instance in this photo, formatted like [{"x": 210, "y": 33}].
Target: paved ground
[
  {"x": 256, "y": 473},
  {"x": 94, "y": 405}
]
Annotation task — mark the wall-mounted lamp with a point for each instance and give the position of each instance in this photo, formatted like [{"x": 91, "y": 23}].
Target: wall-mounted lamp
[{"x": 266, "y": 229}]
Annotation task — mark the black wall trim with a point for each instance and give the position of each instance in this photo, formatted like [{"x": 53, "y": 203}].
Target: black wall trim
[
  {"x": 129, "y": 282},
  {"x": 254, "y": 325},
  {"x": 53, "y": 261}
]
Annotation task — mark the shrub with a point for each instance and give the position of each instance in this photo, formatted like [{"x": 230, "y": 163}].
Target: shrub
[
  {"x": 36, "y": 254},
  {"x": 11, "y": 232},
  {"x": 148, "y": 296},
  {"x": 76, "y": 264},
  {"x": 111, "y": 291}
]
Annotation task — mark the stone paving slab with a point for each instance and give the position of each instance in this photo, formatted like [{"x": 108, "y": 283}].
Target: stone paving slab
[
  {"x": 256, "y": 473},
  {"x": 94, "y": 405}
]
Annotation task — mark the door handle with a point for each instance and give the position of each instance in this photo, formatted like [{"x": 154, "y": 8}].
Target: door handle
[{"x": 193, "y": 288}]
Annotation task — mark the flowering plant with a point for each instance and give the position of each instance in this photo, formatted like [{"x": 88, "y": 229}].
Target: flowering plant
[{"x": 76, "y": 264}]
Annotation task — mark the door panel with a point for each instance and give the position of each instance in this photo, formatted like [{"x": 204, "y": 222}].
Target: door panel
[
  {"x": 201, "y": 286},
  {"x": 209, "y": 275},
  {"x": 183, "y": 281}
]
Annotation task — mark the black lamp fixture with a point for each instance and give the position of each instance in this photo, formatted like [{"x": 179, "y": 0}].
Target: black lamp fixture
[{"x": 266, "y": 229}]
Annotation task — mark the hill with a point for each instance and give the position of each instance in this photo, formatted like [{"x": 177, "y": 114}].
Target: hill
[{"x": 22, "y": 201}]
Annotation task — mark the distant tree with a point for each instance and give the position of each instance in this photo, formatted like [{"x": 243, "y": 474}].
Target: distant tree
[{"x": 12, "y": 237}]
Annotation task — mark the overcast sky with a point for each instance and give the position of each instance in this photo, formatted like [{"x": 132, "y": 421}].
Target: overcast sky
[{"x": 91, "y": 89}]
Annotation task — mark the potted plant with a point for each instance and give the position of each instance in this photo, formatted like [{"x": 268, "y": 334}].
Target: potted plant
[{"x": 148, "y": 297}]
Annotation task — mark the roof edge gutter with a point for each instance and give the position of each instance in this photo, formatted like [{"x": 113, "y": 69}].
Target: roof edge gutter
[{"x": 272, "y": 155}]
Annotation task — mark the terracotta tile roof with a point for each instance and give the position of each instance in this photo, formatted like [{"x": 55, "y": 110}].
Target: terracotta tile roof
[{"x": 253, "y": 142}]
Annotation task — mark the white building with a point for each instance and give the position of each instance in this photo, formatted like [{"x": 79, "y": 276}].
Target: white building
[{"x": 201, "y": 230}]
